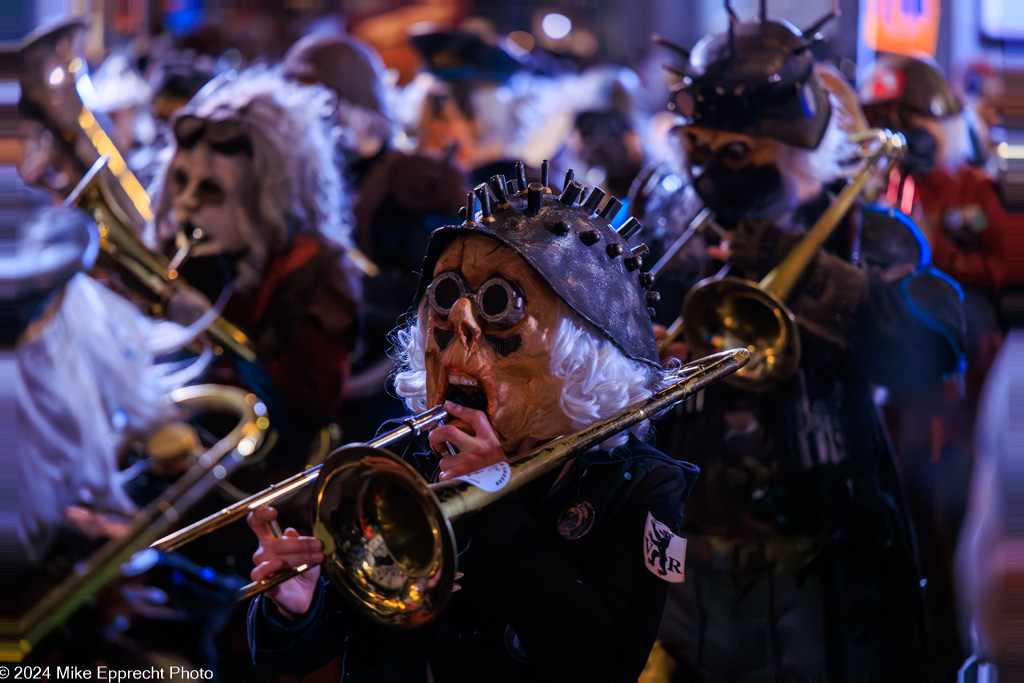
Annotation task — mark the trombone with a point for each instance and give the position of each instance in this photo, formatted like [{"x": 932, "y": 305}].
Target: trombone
[
  {"x": 210, "y": 469},
  {"x": 387, "y": 533},
  {"x": 412, "y": 426},
  {"x": 724, "y": 312}
]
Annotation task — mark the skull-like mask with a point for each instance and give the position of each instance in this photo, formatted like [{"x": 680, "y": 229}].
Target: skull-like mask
[
  {"x": 490, "y": 321},
  {"x": 213, "y": 191}
]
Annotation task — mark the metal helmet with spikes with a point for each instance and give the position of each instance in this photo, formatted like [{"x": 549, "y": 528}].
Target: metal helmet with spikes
[
  {"x": 568, "y": 239},
  {"x": 758, "y": 79}
]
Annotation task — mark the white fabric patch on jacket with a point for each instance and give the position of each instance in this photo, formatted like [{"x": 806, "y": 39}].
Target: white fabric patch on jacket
[{"x": 664, "y": 552}]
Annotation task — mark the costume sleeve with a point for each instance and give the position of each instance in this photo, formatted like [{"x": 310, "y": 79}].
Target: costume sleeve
[
  {"x": 910, "y": 332},
  {"x": 293, "y": 648},
  {"x": 593, "y": 623}
]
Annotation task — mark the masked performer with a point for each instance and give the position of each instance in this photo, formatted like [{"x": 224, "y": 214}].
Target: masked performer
[
  {"x": 800, "y": 557},
  {"x": 525, "y": 315},
  {"x": 254, "y": 197},
  {"x": 970, "y": 233},
  {"x": 969, "y": 227},
  {"x": 77, "y": 339}
]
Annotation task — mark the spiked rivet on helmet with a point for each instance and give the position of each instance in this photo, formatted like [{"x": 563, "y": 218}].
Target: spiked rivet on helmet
[
  {"x": 594, "y": 200},
  {"x": 611, "y": 209}
]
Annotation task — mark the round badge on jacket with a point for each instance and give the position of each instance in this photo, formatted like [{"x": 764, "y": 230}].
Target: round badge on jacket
[{"x": 576, "y": 520}]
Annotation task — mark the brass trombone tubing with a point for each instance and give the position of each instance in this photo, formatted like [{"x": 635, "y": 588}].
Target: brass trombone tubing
[
  {"x": 104, "y": 565},
  {"x": 416, "y": 424},
  {"x": 125, "y": 251},
  {"x": 784, "y": 276},
  {"x": 456, "y": 497}
]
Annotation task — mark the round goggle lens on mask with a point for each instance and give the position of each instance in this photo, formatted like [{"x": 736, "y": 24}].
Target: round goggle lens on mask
[
  {"x": 446, "y": 289},
  {"x": 497, "y": 301}
]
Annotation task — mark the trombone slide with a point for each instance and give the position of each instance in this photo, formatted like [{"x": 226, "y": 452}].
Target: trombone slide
[{"x": 414, "y": 425}]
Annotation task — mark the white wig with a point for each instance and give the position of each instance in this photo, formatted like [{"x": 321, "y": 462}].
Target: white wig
[
  {"x": 599, "y": 380},
  {"x": 295, "y": 142},
  {"x": 84, "y": 379}
]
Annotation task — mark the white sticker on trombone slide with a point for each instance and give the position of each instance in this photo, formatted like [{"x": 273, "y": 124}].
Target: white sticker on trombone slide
[{"x": 489, "y": 479}]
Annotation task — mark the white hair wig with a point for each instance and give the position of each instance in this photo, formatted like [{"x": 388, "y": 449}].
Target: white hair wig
[
  {"x": 598, "y": 379},
  {"x": 295, "y": 141},
  {"x": 85, "y": 379}
]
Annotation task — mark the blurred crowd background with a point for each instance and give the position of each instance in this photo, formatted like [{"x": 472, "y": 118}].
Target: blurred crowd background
[{"x": 425, "y": 101}]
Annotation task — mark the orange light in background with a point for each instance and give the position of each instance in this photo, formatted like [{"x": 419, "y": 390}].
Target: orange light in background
[{"x": 904, "y": 27}]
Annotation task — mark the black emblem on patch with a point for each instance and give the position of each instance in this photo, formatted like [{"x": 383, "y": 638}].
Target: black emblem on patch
[{"x": 576, "y": 520}]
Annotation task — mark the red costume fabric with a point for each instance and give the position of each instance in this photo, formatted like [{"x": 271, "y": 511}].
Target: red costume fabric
[
  {"x": 301, "y": 322},
  {"x": 998, "y": 257}
]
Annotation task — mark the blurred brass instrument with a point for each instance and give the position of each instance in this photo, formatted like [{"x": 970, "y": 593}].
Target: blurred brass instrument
[
  {"x": 146, "y": 272},
  {"x": 93, "y": 176},
  {"x": 726, "y": 312},
  {"x": 54, "y": 79},
  {"x": 209, "y": 469},
  {"x": 387, "y": 533},
  {"x": 412, "y": 426}
]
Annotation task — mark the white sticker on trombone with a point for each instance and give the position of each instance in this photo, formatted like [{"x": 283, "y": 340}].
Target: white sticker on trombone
[
  {"x": 664, "y": 552},
  {"x": 489, "y": 479}
]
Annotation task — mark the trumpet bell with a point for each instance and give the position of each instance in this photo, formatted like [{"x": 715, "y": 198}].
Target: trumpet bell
[
  {"x": 732, "y": 312},
  {"x": 388, "y": 544}
]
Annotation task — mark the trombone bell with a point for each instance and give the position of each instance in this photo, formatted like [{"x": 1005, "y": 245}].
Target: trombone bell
[
  {"x": 386, "y": 539},
  {"x": 732, "y": 312},
  {"x": 387, "y": 534}
]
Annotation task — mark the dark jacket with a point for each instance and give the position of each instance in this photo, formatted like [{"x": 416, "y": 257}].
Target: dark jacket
[
  {"x": 534, "y": 604},
  {"x": 801, "y": 479}
]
